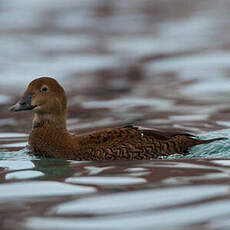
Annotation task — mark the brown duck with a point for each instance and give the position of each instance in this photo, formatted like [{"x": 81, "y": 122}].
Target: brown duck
[{"x": 50, "y": 138}]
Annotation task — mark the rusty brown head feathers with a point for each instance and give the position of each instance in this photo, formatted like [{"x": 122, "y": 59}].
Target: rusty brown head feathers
[{"x": 47, "y": 99}]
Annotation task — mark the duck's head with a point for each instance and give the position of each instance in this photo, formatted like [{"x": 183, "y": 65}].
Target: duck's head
[{"x": 43, "y": 96}]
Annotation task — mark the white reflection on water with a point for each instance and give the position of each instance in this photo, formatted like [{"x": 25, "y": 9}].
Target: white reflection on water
[
  {"x": 222, "y": 162},
  {"x": 137, "y": 172},
  {"x": 151, "y": 220},
  {"x": 137, "y": 201},
  {"x": 93, "y": 170},
  {"x": 168, "y": 164},
  {"x": 18, "y": 144},
  {"x": 8, "y": 135},
  {"x": 40, "y": 189},
  {"x": 28, "y": 174},
  {"x": 16, "y": 165},
  {"x": 194, "y": 117},
  {"x": 135, "y": 169},
  {"x": 224, "y": 123},
  {"x": 99, "y": 180}
]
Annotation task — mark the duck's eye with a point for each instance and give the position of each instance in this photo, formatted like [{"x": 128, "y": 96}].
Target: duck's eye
[{"x": 44, "y": 89}]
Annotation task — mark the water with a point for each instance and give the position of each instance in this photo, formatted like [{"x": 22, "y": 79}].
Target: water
[
  {"x": 44, "y": 194},
  {"x": 157, "y": 64}
]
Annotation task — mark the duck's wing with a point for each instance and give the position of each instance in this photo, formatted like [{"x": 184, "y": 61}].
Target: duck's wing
[
  {"x": 119, "y": 134},
  {"x": 131, "y": 142}
]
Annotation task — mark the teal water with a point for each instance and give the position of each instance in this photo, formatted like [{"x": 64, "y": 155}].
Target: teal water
[{"x": 217, "y": 149}]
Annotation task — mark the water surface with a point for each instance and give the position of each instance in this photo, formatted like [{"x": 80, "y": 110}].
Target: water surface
[{"x": 157, "y": 64}]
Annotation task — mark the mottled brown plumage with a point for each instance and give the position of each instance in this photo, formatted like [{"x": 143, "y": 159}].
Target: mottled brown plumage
[{"x": 50, "y": 138}]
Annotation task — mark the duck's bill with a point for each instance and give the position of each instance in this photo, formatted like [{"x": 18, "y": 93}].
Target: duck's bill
[
  {"x": 19, "y": 107},
  {"x": 23, "y": 104}
]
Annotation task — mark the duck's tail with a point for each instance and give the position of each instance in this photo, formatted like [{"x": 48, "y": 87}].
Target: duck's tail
[{"x": 211, "y": 140}]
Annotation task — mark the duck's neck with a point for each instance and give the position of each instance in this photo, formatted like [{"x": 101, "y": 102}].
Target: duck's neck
[{"x": 43, "y": 119}]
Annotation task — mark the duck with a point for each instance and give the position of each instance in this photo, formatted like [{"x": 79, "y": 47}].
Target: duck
[{"x": 49, "y": 136}]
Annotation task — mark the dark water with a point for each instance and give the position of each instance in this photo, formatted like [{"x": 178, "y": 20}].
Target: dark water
[{"x": 161, "y": 64}]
